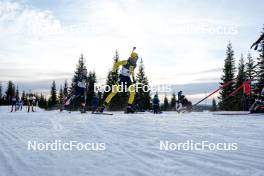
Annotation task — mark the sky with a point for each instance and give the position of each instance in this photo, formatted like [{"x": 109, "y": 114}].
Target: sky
[{"x": 181, "y": 42}]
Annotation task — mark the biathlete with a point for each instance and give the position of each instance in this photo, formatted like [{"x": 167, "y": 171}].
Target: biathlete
[{"x": 125, "y": 79}]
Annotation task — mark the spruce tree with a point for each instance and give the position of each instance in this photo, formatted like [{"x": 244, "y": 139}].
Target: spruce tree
[
  {"x": 79, "y": 75},
  {"x": 17, "y": 93},
  {"x": 65, "y": 89},
  {"x": 23, "y": 96},
  {"x": 227, "y": 103},
  {"x": 42, "y": 102},
  {"x": 91, "y": 80},
  {"x": 173, "y": 102},
  {"x": 260, "y": 70},
  {"x": 143, "y": 95},
  {"x": 61, "y": 96},
  {"x": 53, "y": 95},
  {"x": 10, "y": 92},
  {"x": 117, "y": 103},
  {"x": 240, "y": 79},
  {"x": 165, "y": 106},
  {"x": 214, "y": 106},
  {"x": 250, "y": 70}
]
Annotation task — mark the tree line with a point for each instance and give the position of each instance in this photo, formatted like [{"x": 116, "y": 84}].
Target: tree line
[
  {"x": 57, "y": 96},
  {"x": 245, "y": 70}
]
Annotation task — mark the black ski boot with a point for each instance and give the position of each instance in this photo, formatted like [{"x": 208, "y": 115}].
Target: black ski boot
[
  {"x": 102, "y": 108},
  {"x": 130, "y": 109}
]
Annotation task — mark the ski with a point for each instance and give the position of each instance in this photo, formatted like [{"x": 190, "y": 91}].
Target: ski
[
  {"x": 232, "y": 113},
  {"x": 102, "y": 113}
]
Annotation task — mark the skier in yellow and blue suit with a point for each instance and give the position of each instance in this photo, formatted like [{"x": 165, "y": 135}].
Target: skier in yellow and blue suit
[{"x": 126, "y": 78}]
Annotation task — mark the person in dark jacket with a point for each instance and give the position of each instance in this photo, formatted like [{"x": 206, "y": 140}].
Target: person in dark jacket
[
  {"x": 95, "y": 104},
  {"x": 13, "y": 103},
  {"x": 155, "y": 104}
]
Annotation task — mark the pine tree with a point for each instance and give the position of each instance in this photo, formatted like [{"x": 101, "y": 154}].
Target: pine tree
[
  {"x": 79, "y": 75},
  {"x": 173, "y": 102},
  {"x": 53, "y": 95},
  {"x": 65, "y": 89},
  {"x": 61, "y": 96},
  {"x": 23, "y": 96},
  {"x": 143, "y": 95},
  {"x": 250, "y": 70},
  {"x": 214, "y": 106},
  {"x": 241, "y": 78},
  {"x": 17, "y": 93},
  {"x": 42, "y": 102},
  {"x": 165, "y": 106},
  {"x": 10, "y": 92},
  {"x": 226, "y": 102},
  {"x": 117, "y": 103},
  {"x": 91, "y": 80},
  {"x": 260, "y": 70}
]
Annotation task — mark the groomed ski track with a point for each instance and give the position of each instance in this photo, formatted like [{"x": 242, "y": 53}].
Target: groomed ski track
[{"x": 132, "y": 144}]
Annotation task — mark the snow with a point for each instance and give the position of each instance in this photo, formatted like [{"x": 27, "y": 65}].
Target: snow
[{"x": 132, "y": 144}]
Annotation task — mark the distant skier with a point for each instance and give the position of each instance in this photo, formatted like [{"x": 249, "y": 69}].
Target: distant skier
[
  {"x": 183, "y": 104},
  {"x": 179, "y": 95},
  {"x": 20, "y": 104},
  {"x": 13, "y": 103},
  {"x": 127, "y": 71},
  {"x": 155, "y": 104},
  {"x": 95, "y": 103},
  {"x": 79, "y": 91},
  {"x": 30, "y": 102},
  {"x": 257, "y": 42}
]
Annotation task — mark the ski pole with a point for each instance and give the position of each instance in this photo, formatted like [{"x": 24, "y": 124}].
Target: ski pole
[{"x": 221, "y": 87}]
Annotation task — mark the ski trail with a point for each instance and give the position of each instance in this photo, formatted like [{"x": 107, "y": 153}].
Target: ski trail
[
  {"x": 6, "y": 165},
  {"x": 10, "y": 151},
  {"x": 118, "y": 147}
]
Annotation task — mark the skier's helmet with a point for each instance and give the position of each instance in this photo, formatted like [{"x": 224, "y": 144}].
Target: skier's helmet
[{"x": 134, "y": 55}]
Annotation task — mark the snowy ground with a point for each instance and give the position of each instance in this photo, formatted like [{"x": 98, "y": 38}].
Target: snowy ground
[{"x": 132, "y": 144}]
